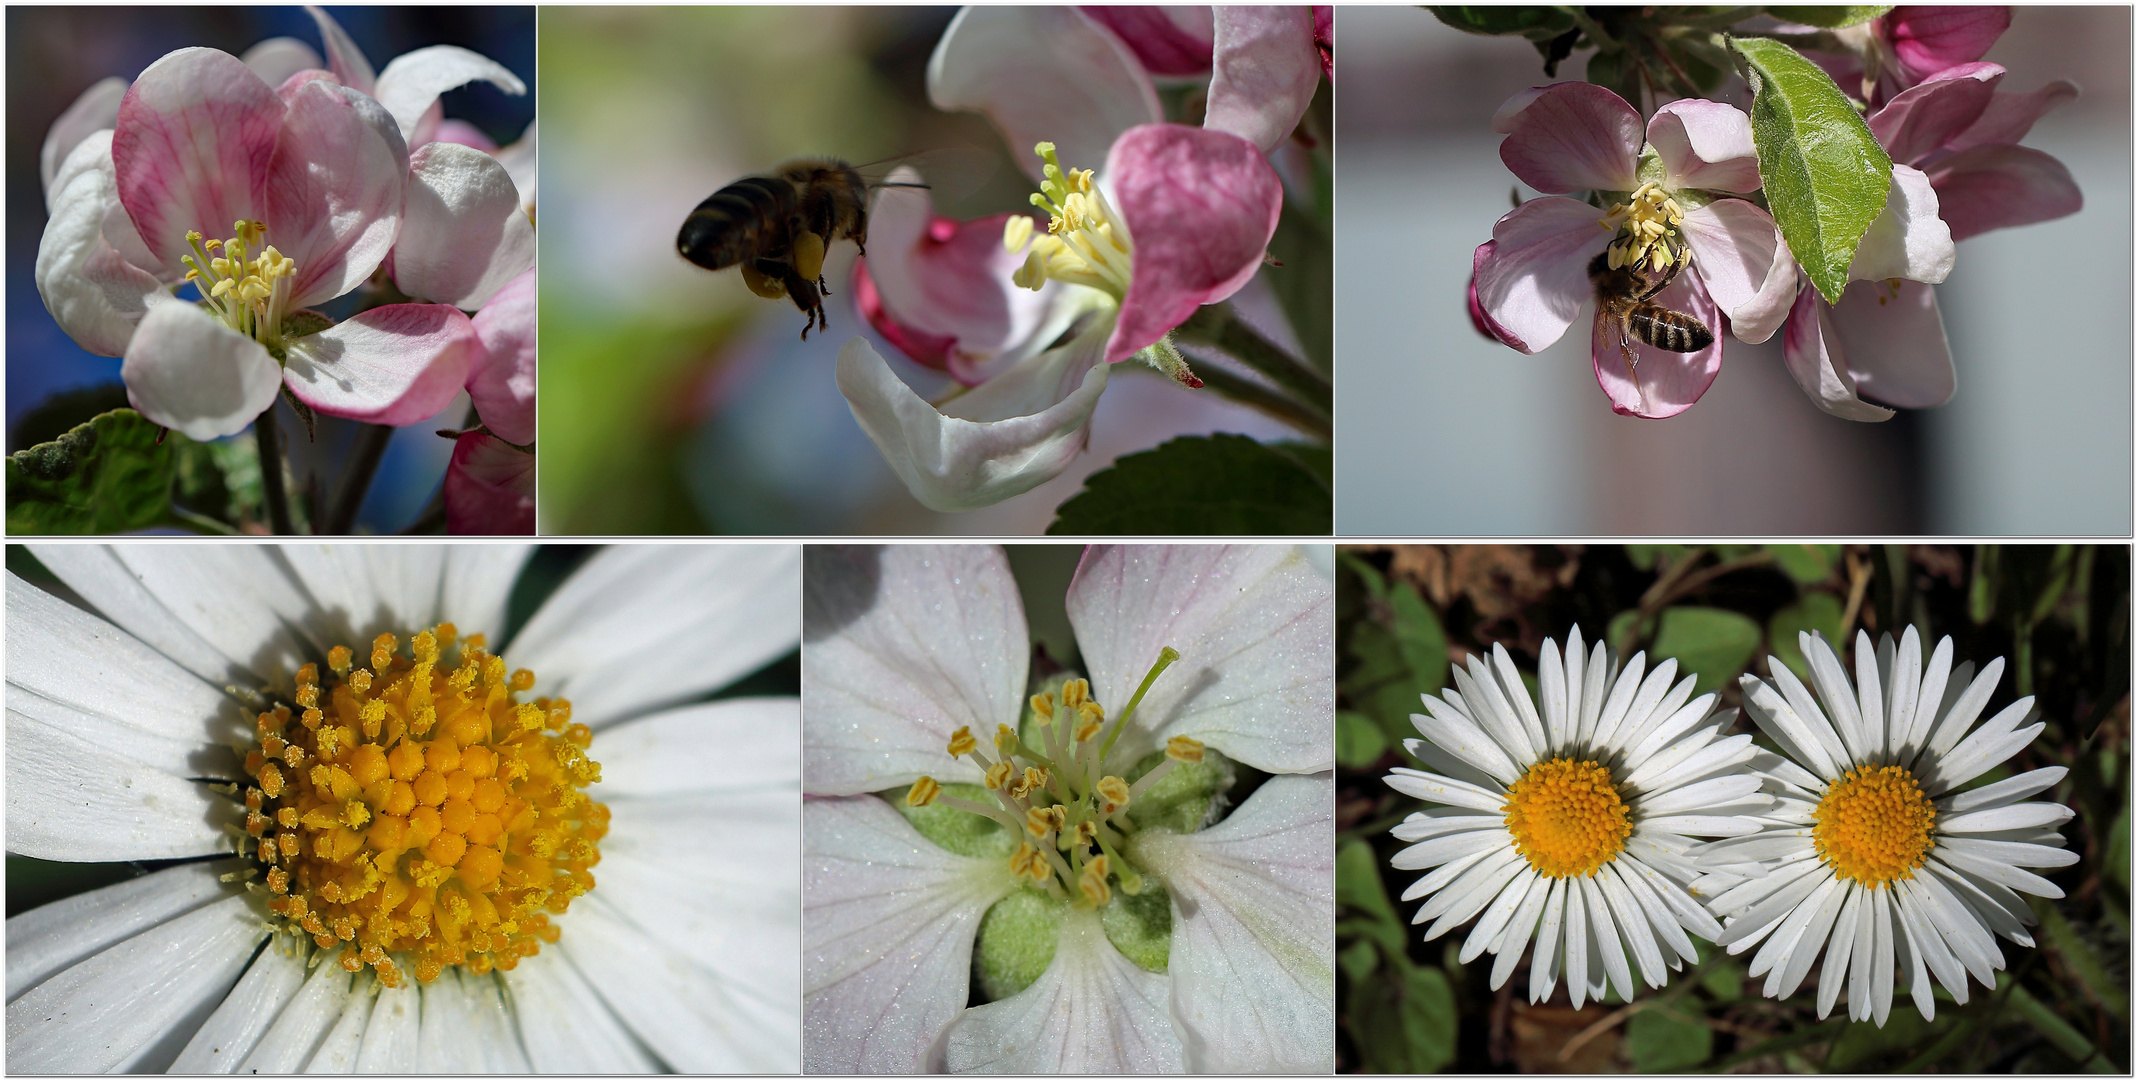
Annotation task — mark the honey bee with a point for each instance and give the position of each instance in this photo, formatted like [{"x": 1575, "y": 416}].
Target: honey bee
[
  {"x": 777, "y": 226},
  {"x": 1624, "y": 296}
]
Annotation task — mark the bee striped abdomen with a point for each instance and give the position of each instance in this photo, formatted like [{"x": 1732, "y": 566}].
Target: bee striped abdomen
[
  {"x": 736, "y": 222},
  {"x": 1669, "y": 331}
]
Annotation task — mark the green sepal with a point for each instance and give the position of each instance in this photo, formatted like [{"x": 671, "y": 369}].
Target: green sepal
[
  {"x": 1141, "y": 926},
  {"x": 304, "y": 323},
  {"x": 954, "y": 830},
  {"x": 1016, "y": 941}
]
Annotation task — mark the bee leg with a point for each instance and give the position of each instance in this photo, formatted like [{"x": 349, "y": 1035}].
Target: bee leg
[{"x": 806, "y": 298}]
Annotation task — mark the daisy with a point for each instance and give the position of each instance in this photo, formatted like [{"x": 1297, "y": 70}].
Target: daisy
[
  {"x": 916, "y": 678},
  {"x": 416, "y": 854},
  {"x": 1873, "y": 854},
  {"x": 1572, "y": 826}
]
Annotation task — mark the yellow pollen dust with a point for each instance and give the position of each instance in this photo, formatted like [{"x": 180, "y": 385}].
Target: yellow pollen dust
[
  {"x": 248, "y": 292},
  {"x": 415, "y": 808},
  {"x": 1566, "y": 817},
  {"x": 1651, "y": 226},
  {"x": 1874, "y": 825},
  {"x": 1085, "y": 242}
]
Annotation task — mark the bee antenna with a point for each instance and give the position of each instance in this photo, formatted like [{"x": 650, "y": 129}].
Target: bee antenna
[{"x": 901, "y": 183}]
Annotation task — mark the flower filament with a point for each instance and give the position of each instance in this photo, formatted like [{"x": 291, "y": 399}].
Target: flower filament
[
  {"x": 419, "y": 809},
  {"x": 1649, "y": 226},
  {"x": 1874, "y": 825},
  {"x": 248, "y": 292},
  {"x": 1086, "y": 243},
  {"x": 1068, "y": 812},
  {"x": 1566, "y": 817}
]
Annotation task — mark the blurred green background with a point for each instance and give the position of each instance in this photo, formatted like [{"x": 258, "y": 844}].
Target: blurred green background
[
  {"x": 672, "y": 399},
  {"x": 2058, "y": 614}
]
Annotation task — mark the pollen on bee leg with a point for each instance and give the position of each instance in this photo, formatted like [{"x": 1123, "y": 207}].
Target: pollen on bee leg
[
  {"x": 808, "y": 255},
  {"x": 770, "y": 288}
]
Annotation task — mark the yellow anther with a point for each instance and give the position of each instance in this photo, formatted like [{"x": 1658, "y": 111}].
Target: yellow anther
[
  {"x": 1086, "y": 833},
  {"x": 1016, "y": 232},
  {"x": 1183, "y": 749},
  {"x": 1874, "y": 825},
  {"x": 1074, "y": 693},
  {"x": 1006, "y": 742},
  {"x": 962, "y": 743},
  {"x": 923, "y": 793},
  {"x": 999, "y": 775},
  {"x": 1566, "y": 817},
  {"x": 1042, "y": 707},
  {"x": 1113, "y": 795},
  {"x": 1092, "y": 883},
  {"x": 1034, "y": 778},
  {"x": 1042, "y": 820}
]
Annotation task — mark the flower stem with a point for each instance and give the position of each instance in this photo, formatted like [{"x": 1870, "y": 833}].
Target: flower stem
[
  {"x": 1218, "y": 325},
  {"x": 269, "y": 436},
  {"x": 371, "y": 440},
  {"x": 1257, "y": 396}
]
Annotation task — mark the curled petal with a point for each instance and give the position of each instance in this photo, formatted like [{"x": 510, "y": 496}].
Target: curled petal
[
  {"x": 1705, "y": 144},
  {"x": 1929, "y": 39},
  {"x": 1478, "y": 317},
  {"x": 1659, "y": 384},
  {"x": 193, "y": 140},
  {"x": 501, "y": 382},
  {"x": 519, "y": 160},
  {"x": 1324, "y": 38},
  {"x": 189, "y": 372},
  {"x": 394, "y": 365},
  {"x": 1266, "y": 71},
  {"x": 96, "y": 110},
  {"x": 1201, "y": 206},
  {"x": 1042, "y": 74},
  {"x": 1533, "y": 279},
  {"x": 1815, "y": 359},
  {"x": 1999, "y": 186},
  {"x": 489, "y": 488},
  {"x": 1738, "y": 252},
  {"x": 287, "y": 89},
  {"x": 922, "y": 348},
  {"x": 1176, "y": 41},
  {"x": 2010, "y": 115},
  {"x": 350, "y": 67},
  {"x": 276, "y": 59},
  {"x": 1909, "y": 239},
  {"x": 1891, "y": 339},
  {"x": 411, "y": 83},
  {"x": 464, "y": 234},
  {"x": 1921, "y": 120},
  {"x": 334, "y": 190},
  {"x": 1573, "y": 137},
  {"x": 92, "y": 291},
  {"x": 1017, "y": 431}
]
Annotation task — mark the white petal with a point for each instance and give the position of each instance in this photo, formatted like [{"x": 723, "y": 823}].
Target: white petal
[
  {"x": 739, "y": 745},
  {"x": 1092, "y": 1012},
  {"x": 1512, "y": 943},
  {"x": 239, "y": 600},
  {"x": 1458, "y": 735},
  {"x": 94, "y": 292},
  {"x": 1660, "y": 915},
  {"x": 1042, "y": 73},
  {"x": 238, "y": 1024},
  {"x": 1542, "y": 976},
  {"x": 2016, "y": 816},
  {"x": 1483, "y": 862},
  {"x": 1492, "y": 927},
  {"x": 1632, "y": 922},
  {"x": 413, "y": 80},
  {"x": 186, "y": 370},
  {"x": 1432, "y": 787},
  {"x": 275, "y": 59},
  {"x": 1837, "y": 954},
  {"x": 1927, "y": 697},
  {"x": 363, "y": 590},
  {"x": 478, "y": 585},
  {"x": 338, "y": 1052},
  {"x": 1909, "y": 238},
  {"x": 1781, "y": 902},
  {"x": 1956, "y": 718},
  {"x": 1577, "y": 950},
  {"x": 97, "y": 109},
  {"x": 73, "y": 798},
  {"x": 1604, "y": 935},
  {"x": 463, "y": 236},
  {"x": 58, "y": 935},
  {"x": 1253, "y": 942},
  {"x": 390, "y": 1041},
  {"x": 564, "y": 1024},
  {"x": 303, "y": 1023},
  {"x": 1883, "y": 961},
  {"x": 467, "y": 1027},
  {"x": 1448, "y": 848},
  {"x": 2002, "y": 792},
  {"x": 884, "y": 695},
  {"x": 615, "y": 640}
]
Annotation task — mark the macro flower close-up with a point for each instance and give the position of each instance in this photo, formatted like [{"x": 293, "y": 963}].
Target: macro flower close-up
[
  {"x": 364, "y": 812},
  {"x": 1015, "y": 866}
]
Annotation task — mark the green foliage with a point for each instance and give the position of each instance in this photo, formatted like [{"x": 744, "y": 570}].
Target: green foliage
[
  {"x": 1536, "y": 23},
  {"x": 1817, "y": 611},
  {"x": 1711, "y": 643},
  {"x": 1831, "y": 18},
  {"x": 1860, "y": 1045},
  {"x": 1806, "y": 563},
  {"x": 1398, "y": 652},
  {"x": 1826, "y": 177},
  {"x": 1358, "y": 740},
  {"x": 1201, "y": 485},
  {"x": 111, "y": 474},
  {"x": 1405, "y": 1020},
  {"x": 1660, "y": 1040}
]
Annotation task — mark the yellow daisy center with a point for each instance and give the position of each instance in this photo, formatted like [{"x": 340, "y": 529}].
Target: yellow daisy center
[
  {"x": 1566, "y": 817},
  {"x": 246, "y": 287},
  {"x": 420, "y": 809},
  {"x": 1874, "y": 825},
  {"x": 1085, "y": 243},
  {"x": 1649, "y": 225}
]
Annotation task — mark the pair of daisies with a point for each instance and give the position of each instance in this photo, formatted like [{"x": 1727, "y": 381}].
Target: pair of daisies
[{"x": 1619, "y": 820}]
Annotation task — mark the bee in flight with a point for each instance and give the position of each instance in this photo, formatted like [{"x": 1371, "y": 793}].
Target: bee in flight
[
  {"x": 1624, "y": 297},
  {"x": 777, "y": 226}
]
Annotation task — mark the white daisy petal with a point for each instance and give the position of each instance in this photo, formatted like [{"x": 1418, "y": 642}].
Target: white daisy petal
[
  {"x": 302, "y": 1024},
  {"x": 565, "y": 1025},
  {"x": 1969, "y": 941},
  {"x": 1443, "y": 819},
  {"x": 2002, "y": 792},
  {"x": 1551, "y": 673},
  {"x": 2014, "y": 816},
  {"x": 1619, "y": 701},
  {"x": 1449, "y": 873},
  {"x": 1487, "y": 705},
  {"x": 1953, "y": 722},
  {"x": 1869, "y": 699},
  {"x": 1988, "y": 746},
  {"x": 238, "y": 1024},
  {"x": 1775, "y": 713},
  {"x": 1816, "y": 723},
  {"x": 739, "y": 744},
  {"x": 1927, "y": 700},
  {"x": 1498, "y": 915},
  {"x": 240, "y": 600},
  {"x": 338, "y": 1052},
  {"x": 1605, "y": 938},
  {"x": 2002, "y": 872},
  {"x": 73, "y": 798},
  {"x": 1440, "y": 789},
  {"x": 1513, "y": 941},
  {"x": 1456, "y": 734},
  {"x": 1632, "y": 923},
  {"x": 1838, "y": 952},
  {"x": 1517, "y": 691},
  {"x": 467, "y": 1027},
  {"x": 1766, "y": 913},
  {"x": 1449, "y": 765},
  {"x": 49, "y": 939},
  {"x": 1457, "y": 905},
  {"x": 1719, "y": 789},
  {"x": 1841, "y": 706},
  {"x": 1648, "y": 901},
  {"x": 1440, "y": 849},
  {"x": 1549, "y": 937},
  {"x": 1577, "y": 930},
  {"x": 1592, "y": 694},
  {"x": 1883, "y": 958},
  {"x": 390, "y": 1041},
  {"x": 2003, "y": 911}
]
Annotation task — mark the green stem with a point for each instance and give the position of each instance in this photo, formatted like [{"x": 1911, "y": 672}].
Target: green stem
[
  {"x": 431, "y": 519},
  {"x": 200, "y": 523},
  {"x": 1165, "y": 657},
  {"x": 1218, "y": 325},
  {"x": 268, "y": 434},
  {"x": 370, "y": 448},
  {"x": 1253, "y": 395}
]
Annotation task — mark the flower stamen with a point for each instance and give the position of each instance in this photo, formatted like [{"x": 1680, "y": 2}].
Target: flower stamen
[{"x": 1874, "y": 825}]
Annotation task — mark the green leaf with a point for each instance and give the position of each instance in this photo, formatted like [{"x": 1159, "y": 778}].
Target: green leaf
[
  {"x": 1358, "y": 961},
  {"x": 1404, "y": 1020},
  {"x": 1357, "y": 882},
  {"x": 1808, "y": 564},
  {"x": 1627, "y": 629},
  {"x": 1398, "y": 661},
  {"x": 2058, "y": 1032},
  {"x": 1862, "y": 1044},
  {"x": 108, "y": 475},
  {"x": 1709, "y": 642},
  {"x": 1532, "y": 22},
  {"x": 1820, "y": 611},
  {"x": 1200, "y": 485},
  {"x": 1825, "y": 175},
  {"x": 1305, "y": 282},
  {"x": 2117, "y": 851},
  {"x": 2082, "y": 957},
  {"x": 1830, "y": 18},
  {"x": 1724, "y": 981},
  {"x": 1358, "y": 740},
  {"x": 1661, "y": 1042},
  {"x": 64, "y": 411}
]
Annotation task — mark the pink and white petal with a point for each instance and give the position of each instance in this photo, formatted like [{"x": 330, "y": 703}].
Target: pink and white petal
[
  {"x": 1266, "y": 71},
  {"x": 97, "y": 109},
  {"x": 922, "y": 348},
  {"x": 463, "y": 235},
  {"x": 187, "y": 371},
  {"x": 192, "y": 144},
  {"x": 883, "y": 699},
  {"x": 1478, "y": 317},
  {"x": 2000, "y": 186},
  {"x": 1036, "y": 419},
  {"x": 334, "y": 191},
  {"x": 1705, "y": 144},
  {"x": 93, "y": 293},
  {"x": 1532, "y": 281},
  {"x": 1324, "y": 38},
  {"x": 1502, "y": 120},
  {"x": 412, "y": 81},
  {"x": 1573, "y": 136},
  {"x": 1659, "y": 384},
  {"x": 1175, "y": 41},
  {"x": 2010, "y": 115},
  {"x": 1253, "y": 941},
  {"x": 1815, "y": 358},
  {"x": 49, "y": 939},
  {"x": 1894, "y": 344},
  {"x": 1253, "y": 627},
  {"x": 1093, "y": 1012},
  {"x": 275, "y": 59},
  {"x": 519, "y": 161},
  {"x": 395, "y": 365},
  {"x": 489, "y": 488},
  {"x": 1909, "y": 239},
  {"x": 1042, "y": 74},
  {"x": 348, "y": 63},
  {"x": 502, "y": 383},
  {"x": 1930, "y": 39},
  {"x": 1922, "y": 119},
  {"x": 947, "y": 283},
  {"x": 1201, "y": 206},
  {"x": 888, "y": 923},
  {"x": 1738, "y": 252}
]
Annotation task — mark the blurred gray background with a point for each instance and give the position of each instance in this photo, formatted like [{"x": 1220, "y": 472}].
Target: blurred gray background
[{"x": 1441, "y": 431}]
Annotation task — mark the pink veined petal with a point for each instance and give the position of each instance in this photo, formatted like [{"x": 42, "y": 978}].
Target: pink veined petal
[
  {"x": 1574, "y": 136},
  {"x": 922, "y": 348},
  {"x": 1502, "y": 120},
  {"x": 92, "y": 291},
  {"x": 1661, "y": 384},
  {"x": 466, "y": 134},
  {"x": 1705, "y": 144},
  {"x": 1919, "y": 121},
  {"x": 1266, "y": 72},
  {"x": 1909, "y": 239},
  {"x": 1478, "y": 317},
  {"x": 1324, "y": 38},
  {"x": 334, "y": 190},
  {"x": 1175, "y": 41},
  {"x": 1201, "y": 206},
  {"x": 1738, "y": 252},
  {"x": 2010, "y": 115},
  {"x": 1996, "y": 187},
  {"x": 463, "y": 235},
  {"x": 1929, "y": 39},
  {"x": 1893, "y": 343},
  {"x": 287, "y": 88},
  {"x": 502, "y": 384},
  {"x": 394, "y": 365},
  {"x": 489, "y": 488},
  {"x": 411, "y": 83},
  {"x": 276, "y": 59},
  {"x": 350, "y": 67},
  {"x": 96, "y": 110},
  {"x": 1533, "y": 279},
  {"x": 187, "y": 371},
  {"x": 193, "y": 142},
  {"x": 1042, "y": 74},
  {"x": 1814, "y": 358}
]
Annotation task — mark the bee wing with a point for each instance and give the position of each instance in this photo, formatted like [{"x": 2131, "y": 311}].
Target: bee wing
[{"x": 952, "y": 172}]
